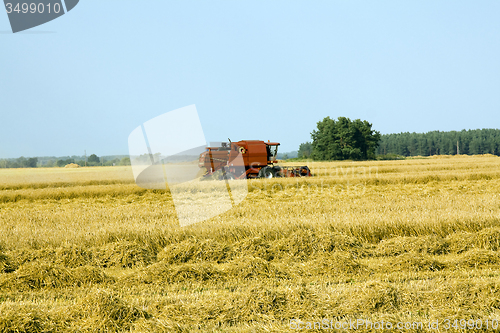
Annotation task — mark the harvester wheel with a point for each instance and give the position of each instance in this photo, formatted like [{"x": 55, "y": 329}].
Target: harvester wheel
[
  {"x": 265, "y": 172},
  {"x": 277, "y": 171},
  {"x": 270, "y": 172},
  {"x": 304, "y": 171}
]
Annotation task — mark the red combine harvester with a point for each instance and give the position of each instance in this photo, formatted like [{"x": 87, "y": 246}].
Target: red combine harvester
[{"x": 257, "y": 160}]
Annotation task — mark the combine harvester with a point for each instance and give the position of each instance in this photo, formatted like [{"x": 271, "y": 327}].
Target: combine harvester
[{"x": 258, "y": 161}]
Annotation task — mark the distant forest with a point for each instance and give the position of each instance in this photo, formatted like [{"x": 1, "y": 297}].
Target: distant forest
[
  {"x": 52, "y": 161},
  {"x": 470, "y": 142}
]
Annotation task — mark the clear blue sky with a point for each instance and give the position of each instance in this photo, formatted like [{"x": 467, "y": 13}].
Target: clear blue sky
[{"x": 254, "y": 69}]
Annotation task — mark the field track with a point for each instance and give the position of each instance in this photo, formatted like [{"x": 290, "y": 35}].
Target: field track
[{"x": 417, "y": 240}]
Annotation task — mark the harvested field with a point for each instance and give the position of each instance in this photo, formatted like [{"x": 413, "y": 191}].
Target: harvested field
[{"x": 417, "y": 240}]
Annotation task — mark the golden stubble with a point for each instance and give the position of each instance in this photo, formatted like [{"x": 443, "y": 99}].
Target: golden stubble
[{"x": 414, "y": 240}]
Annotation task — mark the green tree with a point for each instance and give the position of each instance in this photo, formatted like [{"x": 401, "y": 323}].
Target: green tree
[
  {"x": 344, "y": 139},
  {"x": 305, "y": 150},
  {"x": 112, "y": 162},
  {"x": 21, "y": 162},
  {"x": 93, "y": 159},
  {"x": 32, "y": 162},
  {"x": 125, "y": 161},
  {"x": 61, "y": 163}
]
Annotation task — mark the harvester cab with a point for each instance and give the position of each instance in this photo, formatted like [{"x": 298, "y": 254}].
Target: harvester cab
[{"x": 272, "y": 152}]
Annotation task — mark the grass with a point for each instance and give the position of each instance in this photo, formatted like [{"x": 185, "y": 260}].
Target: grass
[{"x": 415, "y": 240}]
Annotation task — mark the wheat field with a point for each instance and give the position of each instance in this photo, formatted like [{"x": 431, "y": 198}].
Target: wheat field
[{"x": 408, "y": 242}]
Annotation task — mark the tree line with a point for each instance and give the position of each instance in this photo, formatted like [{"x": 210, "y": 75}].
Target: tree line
[
  {"x": 21, "y": 162},
  {"x": 49, "y": 162},
  {"x": 345, "y": 139},
  {"x": 470, "y": 142}
]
